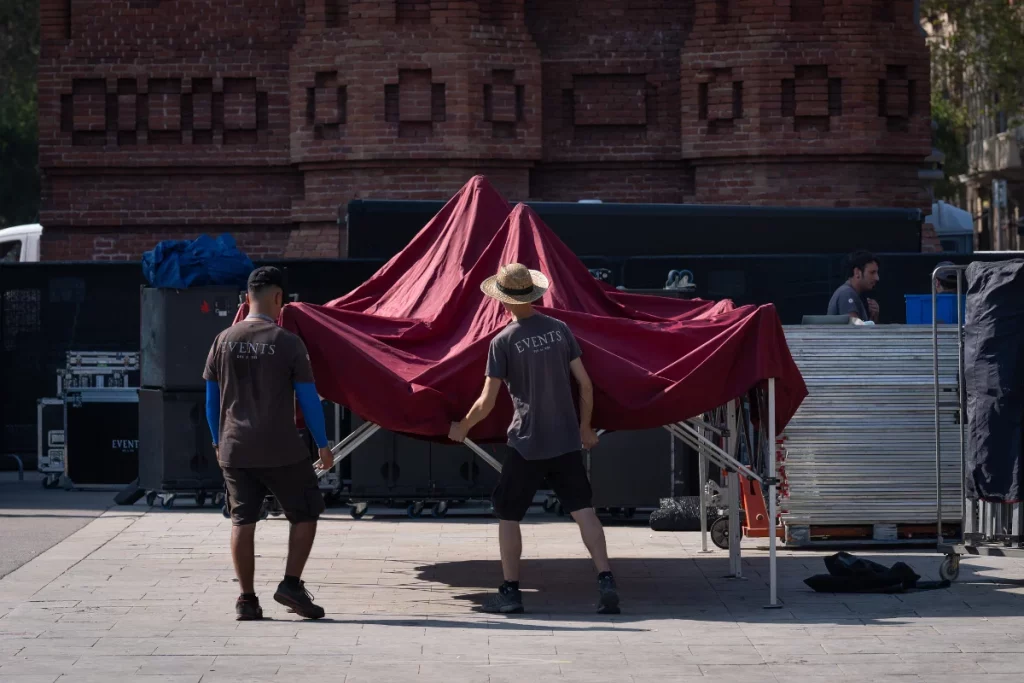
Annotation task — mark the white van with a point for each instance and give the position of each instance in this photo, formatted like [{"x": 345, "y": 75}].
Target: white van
[{"x": 20, "y": 244}]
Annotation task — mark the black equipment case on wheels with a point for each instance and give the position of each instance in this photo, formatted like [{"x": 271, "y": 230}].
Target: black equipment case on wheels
[
  {"x": 178, "y": 327},
  {"x": 175, "y": 449},
  {"x": 101, "y": 436}
]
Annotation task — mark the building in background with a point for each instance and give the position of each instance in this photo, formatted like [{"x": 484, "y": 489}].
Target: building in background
[
  {"x": 166, "y": 118},
  {"x": 995, "y": 179}
]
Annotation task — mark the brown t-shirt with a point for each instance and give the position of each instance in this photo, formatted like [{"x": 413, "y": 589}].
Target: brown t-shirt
[{"x": 257, "y": 364}]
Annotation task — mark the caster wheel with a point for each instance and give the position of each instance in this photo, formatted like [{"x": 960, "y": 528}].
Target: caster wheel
[
  {"x": 45, "y": 482},
  {"x": 720, "y": 532},
  {"x": 167, "y": 503},
  {"x": 68, "y": 486},
  {"x": 414, "y": 510},
  {"x": 357, "y": 511},
  {"x": 151, "y": 498},
  {"x": 219, "y": 499},
  {"x": 201, "y": 499},
  {"x": 549, "y": 505},
  {"x": 440, "y": 510},
  {"x": 949, "y": 570},
  {"x": 224, "y": 511},
  {"x": 264, "y": 511}
]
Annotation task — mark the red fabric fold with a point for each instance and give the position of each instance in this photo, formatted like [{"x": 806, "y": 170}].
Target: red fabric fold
[{"x": 407, "y": 349}]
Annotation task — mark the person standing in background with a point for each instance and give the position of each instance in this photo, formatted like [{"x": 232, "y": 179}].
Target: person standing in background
[
  {"x": 254, "y": 373},
  {"x": 850, "y": 298}
]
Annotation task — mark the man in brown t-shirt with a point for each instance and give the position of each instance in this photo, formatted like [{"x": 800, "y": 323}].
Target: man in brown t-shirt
[{"x": 253, "y": 374}]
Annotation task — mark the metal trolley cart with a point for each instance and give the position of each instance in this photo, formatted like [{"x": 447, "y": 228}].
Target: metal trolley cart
[{"x": 990, "y": 529}]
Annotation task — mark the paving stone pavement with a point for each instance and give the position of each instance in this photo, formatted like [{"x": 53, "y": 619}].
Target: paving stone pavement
[{"x": 149, "y": 596}]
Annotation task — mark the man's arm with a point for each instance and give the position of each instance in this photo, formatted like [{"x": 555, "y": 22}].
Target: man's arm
[
  {"x": 873, "y": 310},
  {"x": 480, "y": 410},
  {"x": 213, "y": 410},
  {"x": 309, "y": 402},
  {"x": 587, "y": 433}
]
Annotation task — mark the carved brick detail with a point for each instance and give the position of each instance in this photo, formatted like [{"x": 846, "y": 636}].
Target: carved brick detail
[
  {"x": 165, "y": 112},
  {"x": 326, "y": 106},
  {"x": 415, "y": 103},
  {"x": 719, "y": 100},
  {"x": 896, "y": 98},
  {"x": 504, "y": 102},
  {"x": 811, "y": 98}
]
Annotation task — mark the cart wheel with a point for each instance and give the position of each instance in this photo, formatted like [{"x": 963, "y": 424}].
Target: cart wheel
[
  {"x": 358, "y": 510},
  {"x": 264, "y": 510},
  {"x": 720, "y": 532},
  {"x": 224, "y": 511},
  {"x": 46, "y": 482},
  {"x": 201, "y": 499},
  {"x": 560, "y": 510},
  {"x": 151, "y": 498},
  {"x": 220, "y": 499},
  {"x": 549, "y": 504},
  {"x": 440, "y": 510},
  {"x": 949, "y": 570},
  {"x": 68, "y": 484},
  {"x": 414, "y": 510},
  {"x": 167, "y": 502}
]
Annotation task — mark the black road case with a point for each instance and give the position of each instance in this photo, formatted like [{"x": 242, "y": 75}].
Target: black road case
[
  {"x": 178, "y": 327},
  {"x": 101, "y": 433}
]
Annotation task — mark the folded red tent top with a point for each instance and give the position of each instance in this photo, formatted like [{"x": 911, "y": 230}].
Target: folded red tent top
[{"x": 407, "y": 349}]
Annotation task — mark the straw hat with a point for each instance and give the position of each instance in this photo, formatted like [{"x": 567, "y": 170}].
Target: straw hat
[{"x": 515, "y": 284}]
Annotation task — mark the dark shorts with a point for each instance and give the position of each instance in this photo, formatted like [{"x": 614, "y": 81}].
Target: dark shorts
[
  {"x": 520, "y": 479},
  {"x": 295, "y": 487}
]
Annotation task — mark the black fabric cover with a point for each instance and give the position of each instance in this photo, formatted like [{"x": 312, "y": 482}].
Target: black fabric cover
[
  {"x": 994, "y": 367},
  {"x": 850, "y": 574}
]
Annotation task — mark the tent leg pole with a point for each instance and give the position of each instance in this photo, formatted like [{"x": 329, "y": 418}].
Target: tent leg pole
[
  {"x": 773, "y": 576},
  {"x": 484, "y": 455},
  {"x": 735, "y": 481},
  {"x": 348, "y": 445},
  {"x": 702, "y": 480}
]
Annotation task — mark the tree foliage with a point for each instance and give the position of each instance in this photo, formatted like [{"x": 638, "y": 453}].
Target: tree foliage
[{"x": 19, "y": 134}]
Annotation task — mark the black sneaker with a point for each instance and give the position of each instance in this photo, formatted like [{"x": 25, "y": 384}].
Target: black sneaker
[
  {"x": 608, "y": 603},
  {"x": 298, "y": 600},
  {"x": 505, "y": 601},
  {"x": 248, "y": 609}
]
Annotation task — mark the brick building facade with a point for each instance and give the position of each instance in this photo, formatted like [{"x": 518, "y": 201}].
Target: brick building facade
[{"x": 166, "y": 118}]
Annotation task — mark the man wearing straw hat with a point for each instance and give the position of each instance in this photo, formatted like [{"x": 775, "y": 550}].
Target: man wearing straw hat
[{"x": 535, "y": 356}]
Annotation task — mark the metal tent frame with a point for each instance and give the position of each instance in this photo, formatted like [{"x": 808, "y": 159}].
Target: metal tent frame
[{"x": 697, "y": 433}]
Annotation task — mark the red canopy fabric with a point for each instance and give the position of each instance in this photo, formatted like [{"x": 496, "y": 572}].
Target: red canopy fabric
[{"x": 408, "y": 348}]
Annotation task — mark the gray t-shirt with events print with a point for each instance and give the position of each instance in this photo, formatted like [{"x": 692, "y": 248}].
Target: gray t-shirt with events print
[{"x": 532, "y": 357}]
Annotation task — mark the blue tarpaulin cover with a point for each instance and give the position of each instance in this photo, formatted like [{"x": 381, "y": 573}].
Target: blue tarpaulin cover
[{"x": 204, "y": 261}]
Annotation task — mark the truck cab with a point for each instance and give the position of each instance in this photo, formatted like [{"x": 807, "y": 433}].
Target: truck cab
[{"x": 20, "y": 244}]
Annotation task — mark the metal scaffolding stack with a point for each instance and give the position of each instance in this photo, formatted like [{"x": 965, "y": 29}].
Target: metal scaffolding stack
[{"x": 861, "y": 449}]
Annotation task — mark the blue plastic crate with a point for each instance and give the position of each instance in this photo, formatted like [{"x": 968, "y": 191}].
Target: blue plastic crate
[{"x": 919, "y": 308}]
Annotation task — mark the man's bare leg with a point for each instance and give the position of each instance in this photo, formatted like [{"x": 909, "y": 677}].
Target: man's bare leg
[
  {"x": 243, "y": 554},
  {"x": 510, "y": 540},
  {"x": 300, "y": 544},
  {"x": 291, "y": 592},
  {"x": 593, "y": 537}
]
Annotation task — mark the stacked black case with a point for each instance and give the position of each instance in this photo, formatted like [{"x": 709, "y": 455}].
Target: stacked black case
[{"x": 178, "y": 327}]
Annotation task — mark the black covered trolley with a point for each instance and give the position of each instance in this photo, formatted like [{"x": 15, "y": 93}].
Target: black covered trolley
[{"x": 986, "y": 528}]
